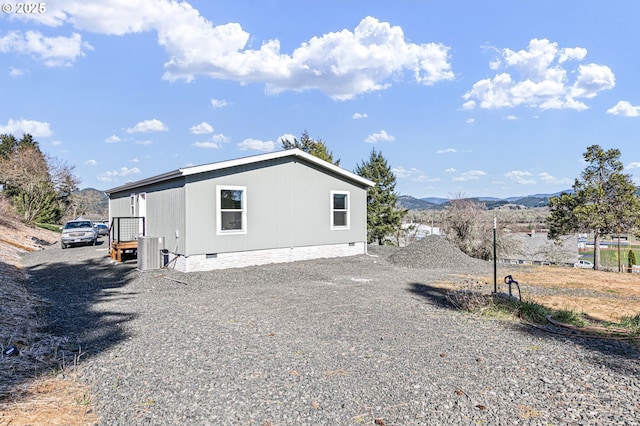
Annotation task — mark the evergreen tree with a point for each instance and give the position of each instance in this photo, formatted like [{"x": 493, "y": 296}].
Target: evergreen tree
[
  {"x": 604, "y": 200},
  {"x": 383, "y": 218},
  {"x": 317, "y": 148},
  {"x": 38, "y": 185},
  {"x": 9, "y": 144}
]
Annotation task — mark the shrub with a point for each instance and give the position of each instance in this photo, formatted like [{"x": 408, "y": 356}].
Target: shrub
[{"x": 632, "y": 260}]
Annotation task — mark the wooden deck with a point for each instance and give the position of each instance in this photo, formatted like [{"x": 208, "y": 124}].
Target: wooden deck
[{"x": 118, "y": 248}]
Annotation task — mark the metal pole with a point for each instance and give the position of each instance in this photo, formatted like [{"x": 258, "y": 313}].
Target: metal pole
[{"x": 495, "y": 256}]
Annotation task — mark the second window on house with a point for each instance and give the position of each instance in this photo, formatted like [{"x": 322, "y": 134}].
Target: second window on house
[
  {"x": 339, "y": 210},
  {"x": 231, "y": 209}
]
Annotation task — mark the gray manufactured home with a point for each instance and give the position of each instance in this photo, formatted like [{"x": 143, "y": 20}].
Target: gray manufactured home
[{"x": 277, "y": 207}]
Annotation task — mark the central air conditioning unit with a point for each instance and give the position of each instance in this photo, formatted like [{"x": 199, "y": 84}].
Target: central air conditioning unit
[{"x": 149, "y": 253}]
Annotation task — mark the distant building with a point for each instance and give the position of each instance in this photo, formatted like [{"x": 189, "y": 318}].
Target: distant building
[
  {"x": 418, "y": 231},
  {"x": 536, "y": 248}
]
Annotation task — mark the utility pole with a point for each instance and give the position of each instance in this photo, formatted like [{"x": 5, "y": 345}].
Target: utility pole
[{"x": 495, "y": 257}]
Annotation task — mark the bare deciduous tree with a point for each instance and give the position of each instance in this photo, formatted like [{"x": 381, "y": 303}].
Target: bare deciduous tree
[
  {"x": 39, "y": 185},
  {"x": 470, "y": 227}
]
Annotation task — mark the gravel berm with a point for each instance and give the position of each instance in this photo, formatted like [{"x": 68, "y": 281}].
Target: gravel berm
[{"x": 349, "y": 341}]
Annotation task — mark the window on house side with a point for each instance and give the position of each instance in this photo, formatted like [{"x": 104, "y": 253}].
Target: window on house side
[
  {"x": 232, "y": 209},
  {"x": 339, "y": 210}
]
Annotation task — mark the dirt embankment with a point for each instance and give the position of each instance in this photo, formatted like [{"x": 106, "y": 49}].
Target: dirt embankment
[{"x": 30, "y": 394}]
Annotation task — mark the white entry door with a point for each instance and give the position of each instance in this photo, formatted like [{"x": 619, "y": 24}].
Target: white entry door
[{"x": 142, "y": 211}]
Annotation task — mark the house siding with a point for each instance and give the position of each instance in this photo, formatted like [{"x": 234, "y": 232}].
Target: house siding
[
  {"x": 165, "y": 216},
  {"x": 288, "y": 205}
]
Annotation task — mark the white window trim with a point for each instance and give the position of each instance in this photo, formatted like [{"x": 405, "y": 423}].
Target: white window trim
[
  {"x": 219, "y": 189},
  {"x": 331, "y": 210}
]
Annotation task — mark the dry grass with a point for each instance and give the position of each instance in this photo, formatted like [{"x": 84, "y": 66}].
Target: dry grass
[
  {"x": 623, "y": 286},
  {"x": 617, "y": 290},
  {"x": 28, "y": 396},
  {"x": 49, "y": 401}
]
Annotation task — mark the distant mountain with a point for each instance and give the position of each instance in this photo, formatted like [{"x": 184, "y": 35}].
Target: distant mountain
[
  {"x": 435, "y": 200},
  {"x": 435, "y": 203},
  {"x": 93, "y": 203},
  {"x": 412, "y": 203},
  {"x": 532, "y": 201}
]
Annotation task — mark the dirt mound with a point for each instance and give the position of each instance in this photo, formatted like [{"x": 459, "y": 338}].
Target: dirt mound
[{"x": 434, "y": 252}]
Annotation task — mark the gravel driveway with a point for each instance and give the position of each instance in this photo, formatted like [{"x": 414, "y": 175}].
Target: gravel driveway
[{"x": 348, "y": 341}]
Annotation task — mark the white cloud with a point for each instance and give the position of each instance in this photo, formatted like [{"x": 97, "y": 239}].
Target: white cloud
[
  {"x": 208, "y": 144},
  {"x": 547, "y": 178},
  {"x": 358, "y": 116},
  {"x": 148, "y": 126},
  {"x": 15, "y": 72},
  {"x": 536, "y": 78},
  {"x": 111, "y": 176},
  {"x": 450, "y": 170},
  {"x": 342, "y": 64},
  {"x": 469, "y": 105},
  {"x": 218, "y": 103},
  {"x": 446, "y": 151},
  {"x": 90, "y": 163},
  {"x": 470, "y": 175},
  {"x": 511, "y": 117},
  {"x": 220, "y": 138},
  {"x": 382, "y": 136},
  {"x": 201, "y": 129},
  {"x": 215, "y": 142},
  {"x": 32, "y": 127},
  {"x": 625, "y": 109},
  {"x": 425, "y": 178},
  {"x": 52, "y": 51},
  {"x": 144, "y": 142},
  {"x": 134, "y": 160},
  {"x": 577, "y": 54},
  {"x": 402, "y": 173},
  {"x": 413, "y": 174},
  {"x": 634, "y": 165},
  {"x": 520, "y": 177},
  {"x": 470, "y": 120},
  {"x": 56, "y": 143},
  {"x": 592, "y": 79},
  {"x": 256, "y": 145},
  {"x": 112, "y": 139}
]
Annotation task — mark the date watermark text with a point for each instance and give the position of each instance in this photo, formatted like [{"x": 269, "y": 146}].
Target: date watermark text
[{"x": 24, "y": 8}]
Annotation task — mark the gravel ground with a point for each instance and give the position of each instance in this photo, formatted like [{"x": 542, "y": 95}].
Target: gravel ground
[{"x": 346, "y": 341}]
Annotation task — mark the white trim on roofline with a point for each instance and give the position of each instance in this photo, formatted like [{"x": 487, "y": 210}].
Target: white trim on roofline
[
  {"x": 187, "y": 171},
  {"x": 272, "y": 156}
]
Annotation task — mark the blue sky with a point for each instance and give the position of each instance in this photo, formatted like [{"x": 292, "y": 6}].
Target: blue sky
[{"x": 481, "y": 98}]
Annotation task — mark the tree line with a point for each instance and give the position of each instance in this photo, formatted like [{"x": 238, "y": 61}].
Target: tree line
[{"x": 39, "y": 186}]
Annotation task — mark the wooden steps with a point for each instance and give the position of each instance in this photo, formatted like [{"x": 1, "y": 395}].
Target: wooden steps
[{"x": 117, "y": 249}]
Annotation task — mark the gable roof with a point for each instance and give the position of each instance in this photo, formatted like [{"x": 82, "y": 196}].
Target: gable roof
[{"x": 294, "y": 153}]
